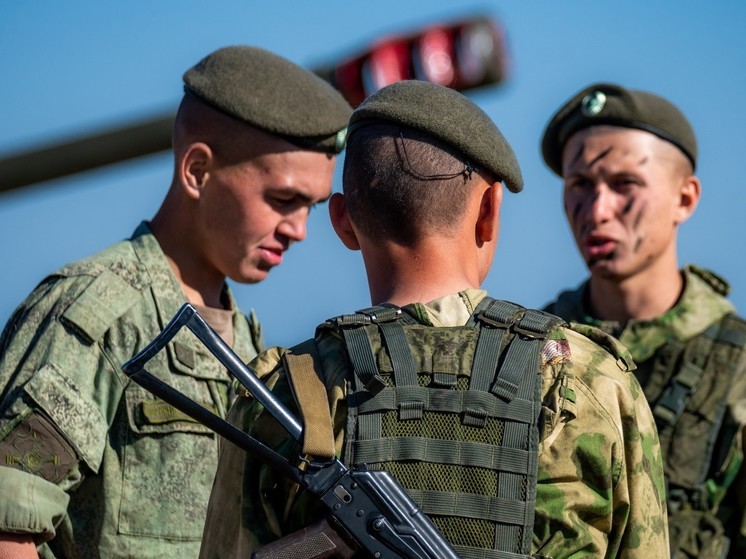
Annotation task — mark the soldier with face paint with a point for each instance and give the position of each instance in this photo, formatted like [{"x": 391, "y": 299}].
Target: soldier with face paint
[{"x": 627, "y": 159}]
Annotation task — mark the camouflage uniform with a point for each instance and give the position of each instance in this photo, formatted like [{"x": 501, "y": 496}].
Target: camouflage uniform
[
  {"x": 701, "y": 444},
  {"x": 92, "y": 464},
  {"x": 600, "y": 480}
]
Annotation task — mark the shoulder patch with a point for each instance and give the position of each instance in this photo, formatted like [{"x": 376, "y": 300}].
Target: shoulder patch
[
  {"x": 555, "y": 352},
  {"x": 609, "y": 343},
  {"x": 35, "y": 446},
  {"x": 106, "y": 299}
]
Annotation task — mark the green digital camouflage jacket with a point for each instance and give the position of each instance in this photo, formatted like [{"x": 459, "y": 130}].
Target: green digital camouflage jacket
[
  {"x": 600, "y": 486},
  {"x": 718, "y": 398},
  {"x": 92, "y": 465}
]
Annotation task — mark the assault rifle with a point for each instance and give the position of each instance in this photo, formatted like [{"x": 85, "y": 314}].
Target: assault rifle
[{"x": 368, "y": 511}]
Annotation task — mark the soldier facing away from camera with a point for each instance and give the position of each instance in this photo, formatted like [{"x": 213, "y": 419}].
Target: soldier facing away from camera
[{"x": 515, "y": 433}]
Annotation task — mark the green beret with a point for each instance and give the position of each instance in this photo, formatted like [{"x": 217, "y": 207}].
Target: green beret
[
  {"x": 272, "y": 94},
  {"x": 447, "y": 116},
  {"x": 613, "y": 105}
]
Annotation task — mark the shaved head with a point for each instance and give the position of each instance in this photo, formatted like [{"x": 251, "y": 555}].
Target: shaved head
[
  {"x": 401, "y": 184},
  {"x": 231, "y": 140}
]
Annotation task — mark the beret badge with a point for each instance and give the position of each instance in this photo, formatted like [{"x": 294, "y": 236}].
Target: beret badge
[
  {"x": 340, "y": 140},
  {"x": 593, "y": 103}
]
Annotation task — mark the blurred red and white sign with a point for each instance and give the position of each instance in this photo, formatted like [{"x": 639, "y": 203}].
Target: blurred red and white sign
[{"x": 462, "y": 55}]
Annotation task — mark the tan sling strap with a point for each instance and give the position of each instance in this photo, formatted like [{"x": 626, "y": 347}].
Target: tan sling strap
[{"x": 304, "y": 373}]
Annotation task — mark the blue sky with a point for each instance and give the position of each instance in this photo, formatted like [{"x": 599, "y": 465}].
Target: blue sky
[{"x": 71, "y": 68}]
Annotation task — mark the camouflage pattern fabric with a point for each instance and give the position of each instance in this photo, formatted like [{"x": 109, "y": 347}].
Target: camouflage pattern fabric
[
  {"x": 600, "y": 490},
  {"x": 701, "y": 528},
  {"x": 91, "y": 464}
]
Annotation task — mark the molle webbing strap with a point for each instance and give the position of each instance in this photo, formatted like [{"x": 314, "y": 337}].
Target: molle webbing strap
[
  {"x": 465, "y": 453},
  {"x": 410, "y": 405},
  {"x": 405, "y": 372},
  {"x": 524, "y": 353},
  {"x": 663, "y": 367},
  {"x": 471, "y": 553},
  {"x": 363, "y": 361},
  {"x": 357, "y": 339},
  {"x": 515, "y": 377},
  {"x": 733, "y": 332},
  {"x": 484, "y": 507},
  {"x": 499, "y": 318},
  {"x": 520, "y": 368},
  {"x": 672, "y": 402},
  {"x": 303, "y": 370},
  {"x": 449, "y": 401},
  {"x": 495, "y": 320}
]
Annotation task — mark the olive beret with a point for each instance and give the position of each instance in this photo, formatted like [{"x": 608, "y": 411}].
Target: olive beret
[
  {"x": 447, "y": 116},
  {"x": 611, "y": 104},
  {"x": 273, "y": 94}
]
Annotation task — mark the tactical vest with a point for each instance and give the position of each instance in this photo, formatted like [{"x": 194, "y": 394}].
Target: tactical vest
[
  {"x": 688, "y": 388},
  {"x": 452, "y": 413}
]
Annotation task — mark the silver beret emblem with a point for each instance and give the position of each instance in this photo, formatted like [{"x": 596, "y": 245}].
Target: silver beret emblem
[
  {"x": 593, "y": 103},
  {"x": 340, "y": 140}
]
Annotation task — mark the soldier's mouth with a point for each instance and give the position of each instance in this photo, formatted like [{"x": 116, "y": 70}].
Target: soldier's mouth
[{"x": 597, "y": 246}]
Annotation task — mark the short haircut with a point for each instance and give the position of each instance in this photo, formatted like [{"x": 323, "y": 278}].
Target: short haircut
[
  {"x": 231, "y": 140},
  {"x": 401, "y": 184}
]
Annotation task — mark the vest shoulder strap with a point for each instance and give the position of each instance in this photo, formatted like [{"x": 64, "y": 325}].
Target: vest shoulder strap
[
  {"x": 303, "y": 368},
  {"x": 730, "y": 330},
  {"x": 704, "y": 368}
]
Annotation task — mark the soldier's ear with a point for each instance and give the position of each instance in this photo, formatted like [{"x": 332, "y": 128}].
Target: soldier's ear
[
  {"x": 689, "y": 194},
  {"x": 341, "y": 222},
  {"x": 194, "y": 168},
  {"x": 488, "y": 219}
]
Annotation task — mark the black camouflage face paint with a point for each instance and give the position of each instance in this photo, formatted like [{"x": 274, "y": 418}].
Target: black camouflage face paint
[
  {"x": 627, "y": 207},
  {"x": 638, "y": 218},
  {"x": 576, "y": 211},
  {"x": 580, "y": 151},
  {"x": 600, "y": 156},
  {"x": 635, "y": 224}
]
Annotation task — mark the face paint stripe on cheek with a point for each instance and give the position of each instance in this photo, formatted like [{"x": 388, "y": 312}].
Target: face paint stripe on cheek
[
  {"x": 627, "y": 207},
  {"x": 635, "y": 224},
  {"x": 638, "y": 218},
  {"x": 575, "y": 212},
  {"x": 638, "y": 244}
]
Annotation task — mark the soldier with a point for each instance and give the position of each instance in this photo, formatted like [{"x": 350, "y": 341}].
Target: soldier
[
  {"x": 458, "y": 395},
  {"x": 93, "y": 465},
  {"x": 627, "y": 159}
]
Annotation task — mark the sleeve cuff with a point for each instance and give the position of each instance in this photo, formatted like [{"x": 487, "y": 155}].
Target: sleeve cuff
[{"x": 30, "y": 504}]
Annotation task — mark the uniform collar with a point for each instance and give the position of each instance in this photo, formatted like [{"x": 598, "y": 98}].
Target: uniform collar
[
  {"x": 699, "y": 306},
  {"x": 451, "y": 310},
  {"x": 168, "y": 294}
]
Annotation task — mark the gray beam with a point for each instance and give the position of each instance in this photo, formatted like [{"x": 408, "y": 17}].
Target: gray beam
[{"x": 66, "y": 158}]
